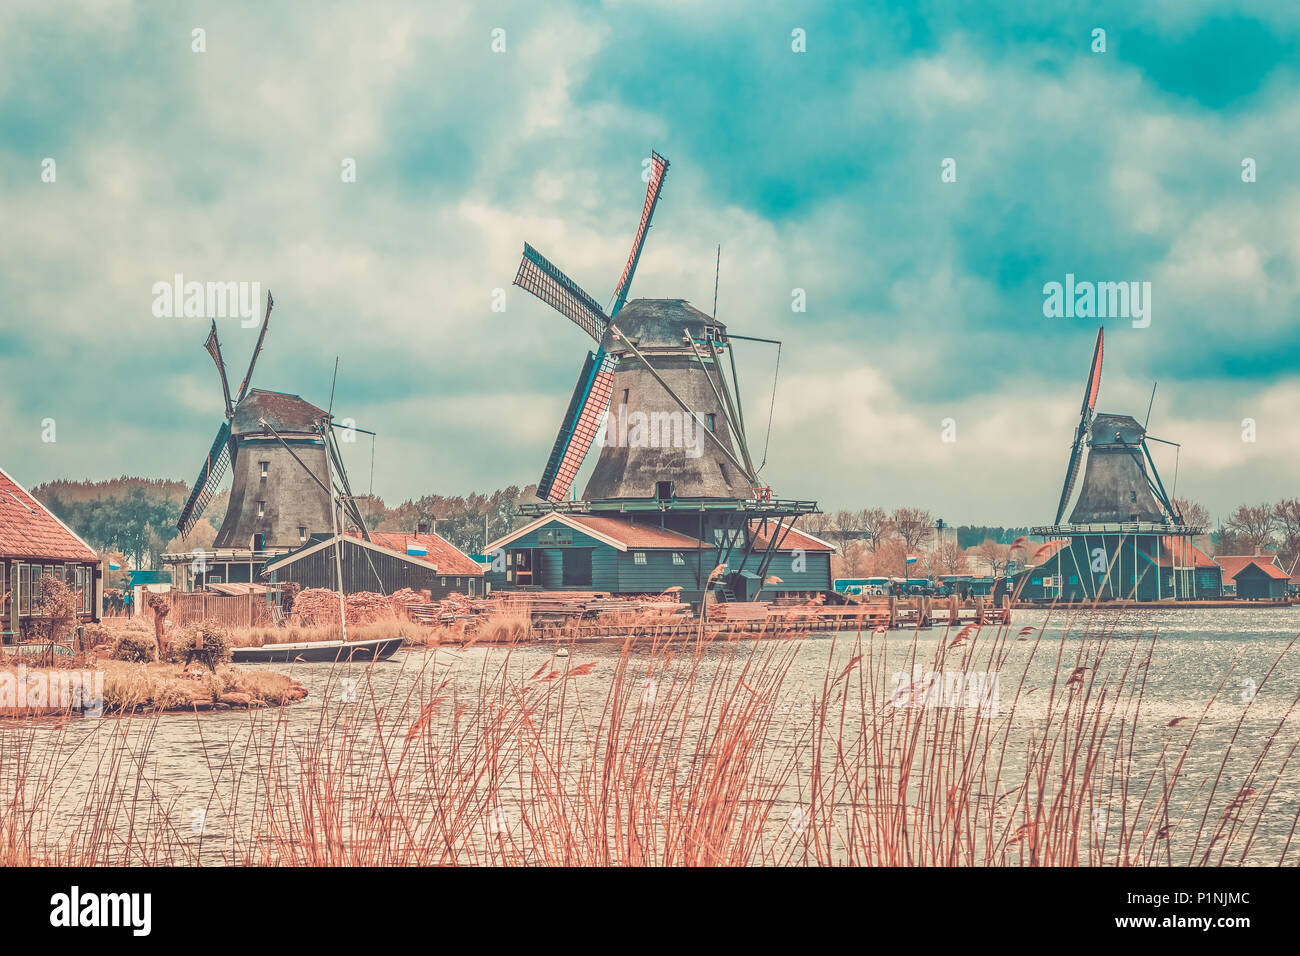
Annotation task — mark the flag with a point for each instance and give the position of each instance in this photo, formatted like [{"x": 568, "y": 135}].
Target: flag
[
  {"x": 417, "y": 550},
  {"x": 911, "y": 559},
  {"x": 114, "y": 566}
]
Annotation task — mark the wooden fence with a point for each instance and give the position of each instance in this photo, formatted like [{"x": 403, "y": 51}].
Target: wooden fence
[{"x": 240, "y": 610}]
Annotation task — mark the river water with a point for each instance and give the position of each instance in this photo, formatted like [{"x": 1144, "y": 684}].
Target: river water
[{"x": 197, "y": 780}]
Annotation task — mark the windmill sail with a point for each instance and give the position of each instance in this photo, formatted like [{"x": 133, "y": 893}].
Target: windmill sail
[
  {"x": 205, "y": 486},
  {"x": 214, "y": 349},
  {"x": 261, "y": 336},
  {"x": 578, "y": 430},
  {"x": 658, "y": 170},
  {"x": 542, "y": 278},
  {"x": 1090, "y": 393}
]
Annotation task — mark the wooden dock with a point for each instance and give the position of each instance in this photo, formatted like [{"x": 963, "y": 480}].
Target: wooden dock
[{"x": 580, "y": 615}]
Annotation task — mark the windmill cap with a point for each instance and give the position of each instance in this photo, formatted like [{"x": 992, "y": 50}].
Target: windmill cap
[
  {"x": 280, "y": 410},
  {"x": 661, "y": 321},
  {"x": 1106, "y": 427}
]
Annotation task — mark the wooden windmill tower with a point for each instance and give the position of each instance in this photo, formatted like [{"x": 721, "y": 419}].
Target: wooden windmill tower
[
  {"x": 1125, "y": 539},
  {"x": 283, "y": 460},
  {"x": 674, "y": 450}
]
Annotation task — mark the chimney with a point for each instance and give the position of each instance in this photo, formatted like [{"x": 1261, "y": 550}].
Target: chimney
[{"x": 422, "y": 528}]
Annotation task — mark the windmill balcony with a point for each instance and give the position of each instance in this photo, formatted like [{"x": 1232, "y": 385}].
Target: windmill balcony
[{"x": 1126, "y": 528}]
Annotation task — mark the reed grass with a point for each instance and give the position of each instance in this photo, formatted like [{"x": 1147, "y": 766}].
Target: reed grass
[{"x": 701, "y": 752}]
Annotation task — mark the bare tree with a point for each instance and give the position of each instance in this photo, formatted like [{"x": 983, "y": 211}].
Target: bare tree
[
  {"x": 913, "y": 525},
  {"x": 1287, "y": 515},
  {"x": 1253, "y": 526},
  {"x": 949, "y": 558},
  {"x": 876, "y": 527},
  {"x": 1194, "y": 514},
  {"x": 820, "y": 524},
  {"x": 996, "y": 555},
  {"x": 845, "y": 528}
]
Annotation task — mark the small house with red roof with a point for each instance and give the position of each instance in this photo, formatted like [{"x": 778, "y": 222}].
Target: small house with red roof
[
  {"x": 35, "y": 545},
  {"x": 1257, "y": 577},
  {"x": 421, "y": 560},
  {"x": 637, "y": 554}
]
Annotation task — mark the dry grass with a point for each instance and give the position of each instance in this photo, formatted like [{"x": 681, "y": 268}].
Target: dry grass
[
  {"x": 291, "y": 633},
  {"x": 706, "y": 754},
  {"x": 142, "y": 688}
]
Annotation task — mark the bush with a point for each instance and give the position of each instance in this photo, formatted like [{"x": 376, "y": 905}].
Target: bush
[
  {"x": 215, "y": 638},
  {"x": 133, "y": 645},
  {"x": 92, "y": 635}
]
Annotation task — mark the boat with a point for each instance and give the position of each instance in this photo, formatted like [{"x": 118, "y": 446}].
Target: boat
[{"x": 318, "y": 652}]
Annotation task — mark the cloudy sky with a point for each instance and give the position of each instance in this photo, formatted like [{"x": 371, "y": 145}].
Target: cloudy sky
[{"x": 817, "y": 170}]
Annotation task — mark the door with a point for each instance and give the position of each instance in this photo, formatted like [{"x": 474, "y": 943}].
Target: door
[
  {"x": 523, "y": 568},
  {"x": 576, "y": 568}
]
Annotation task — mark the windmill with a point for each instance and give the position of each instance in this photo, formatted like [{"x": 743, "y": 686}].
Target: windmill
[
  {"x": 1125, "y": 538},
  {"x": 662, "y": 358},
  {"x": 279, "y": 449},
  {"x": 1121, "y": 483},
  {"x": 674, "y": 449}
]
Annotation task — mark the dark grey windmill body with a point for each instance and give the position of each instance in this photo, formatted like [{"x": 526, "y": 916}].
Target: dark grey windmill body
[
  {"x": 274, "y": 501},
  {"x": 626, "y": 469},
  {"x": 1116, "y": 485}
]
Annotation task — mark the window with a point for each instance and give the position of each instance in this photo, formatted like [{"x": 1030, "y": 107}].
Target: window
[
  {"x": 712, "y": 421},
  {"x": 624, "y": 396},
  {"x": 678, "y": 558},
  {"x": 261, "y": 509},
  {"x": 664, "y": 490},
  {"x": 265, "y": 466},
  {"x": 259, "y": 542},
  {"x": 25, "y": 588},
  {"x": 444, "y": 581},
  {"x": 458, "y": 582},
  {"x": 302, "y": 533},
  {"x": 638, "y": 557}
]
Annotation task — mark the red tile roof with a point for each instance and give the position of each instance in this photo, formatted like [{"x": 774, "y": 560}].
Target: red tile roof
[
  {"x": 29, "y": 530},
  {"x": 791, "y": 540},
  {"x": 1234, "y": 564},
  {"x": 634, "y": 534},
  {"x": 442, "y": 553},
  {"x": 1188, "y": 555}
]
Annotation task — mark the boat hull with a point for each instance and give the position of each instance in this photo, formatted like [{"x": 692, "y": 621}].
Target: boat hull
[{"x": 318, "y": 652}]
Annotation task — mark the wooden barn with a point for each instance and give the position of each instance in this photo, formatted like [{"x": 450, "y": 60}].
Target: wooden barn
[
  {"x": 627, "y": 555},
  {"x": 389, "y": 562},
  {"x": 1256, "y": 577},
  {"x": 1119, "y": 567},
  {"x": 34, "y": 544}
]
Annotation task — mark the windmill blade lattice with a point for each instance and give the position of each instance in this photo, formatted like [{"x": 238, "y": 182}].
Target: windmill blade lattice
[
  {"x": 578, "y": 430},
  {"x": 542, "y": 278},
  {"x": 205, "y": 486},
  {"x": 257, "y": 350},
  {"x": 658, "y": 170},
  {"x": 213, "y": 347},
  {"x": 1090, "y": 392}
]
